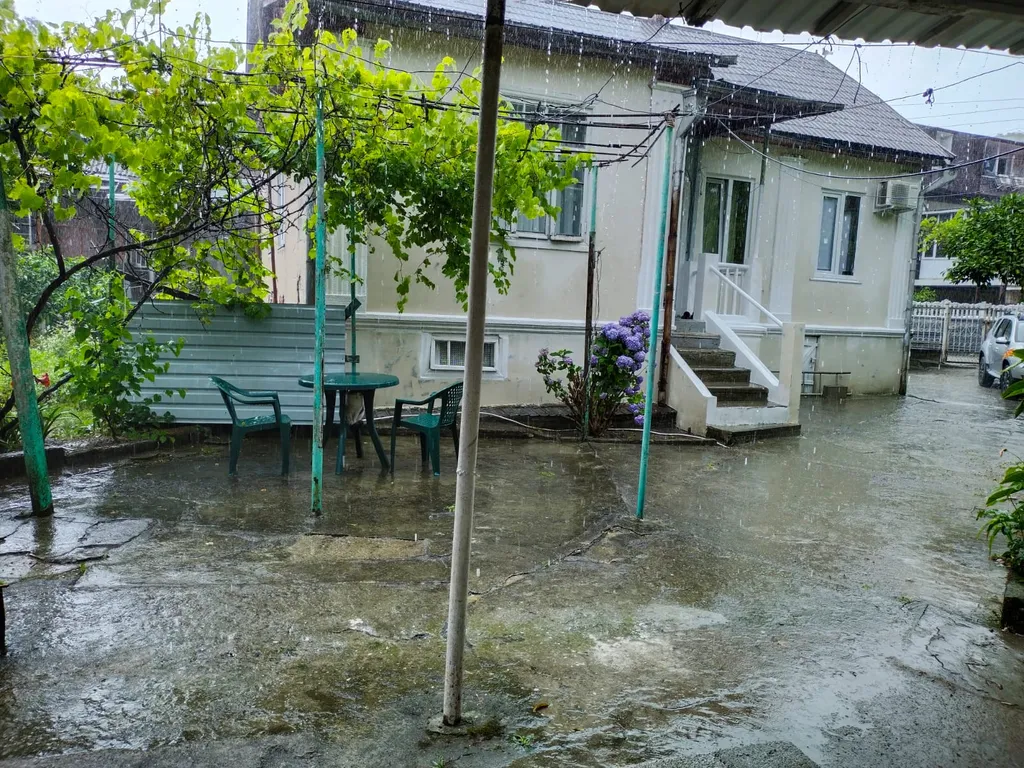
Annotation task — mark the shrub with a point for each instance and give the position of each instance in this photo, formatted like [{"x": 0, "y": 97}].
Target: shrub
[
  {"x": 617, "y": 357},
  {"x": 926, "y": 294},
  {"x": 1003, "y": 514},
  {"x": 109, "y": 366}
]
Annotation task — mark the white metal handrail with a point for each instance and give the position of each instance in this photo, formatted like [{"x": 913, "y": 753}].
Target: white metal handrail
[{"x": 713, "y": 269}]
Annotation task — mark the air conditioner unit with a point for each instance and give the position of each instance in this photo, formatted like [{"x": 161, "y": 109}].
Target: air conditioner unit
[{"x": 893, "y": 197}]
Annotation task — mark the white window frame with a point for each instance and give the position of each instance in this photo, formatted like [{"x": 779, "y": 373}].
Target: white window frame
[
  {"x": 338, "y": 289},
  {"x": 279, "y": 188},
  {"x": 933, "y": 248},
  {"x": 834, "y": 273},
  {"x": 431, "y": 369},
  {"x": 726, "y": 219},
  {"x": 550, "y": 232}
]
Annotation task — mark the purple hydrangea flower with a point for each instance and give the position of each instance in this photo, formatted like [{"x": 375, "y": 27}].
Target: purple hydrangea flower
[
  {"x": 630, "y": 391},
  {"x": 568, "y": 360},
  {"x": 640, "y": 356},
  {"x": 639, "y": 420},
  {"x": 639, "y": 380},
  {"x": 646, "y": 332},
  {"x": 634, "y": 408},
  {"x": 611, "y": 332},
  {"x": 593, "y": 359},
  {"x": 633, "y": 343},
  {"x": 624, "y": 362},
  {"x": 544, "y": 352},
  {"x": 603, "y": 396}
]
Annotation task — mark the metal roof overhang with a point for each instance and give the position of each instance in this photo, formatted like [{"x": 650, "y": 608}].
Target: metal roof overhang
[{"x": 996, "y": 24}]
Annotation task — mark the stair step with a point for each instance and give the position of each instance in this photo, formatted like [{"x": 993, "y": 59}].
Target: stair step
[
  {"x": 708, "y": 358},
  {"x": 752, "y": 433},
  {"x": 723, "y": 375},
  {"x": 695, "y": 340},
  {"x": 690, "y": 326},
  {"x": 739, "y": 394}
]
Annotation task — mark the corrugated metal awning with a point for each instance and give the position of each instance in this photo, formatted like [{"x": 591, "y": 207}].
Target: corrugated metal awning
[{"x": 997, "y": 24}]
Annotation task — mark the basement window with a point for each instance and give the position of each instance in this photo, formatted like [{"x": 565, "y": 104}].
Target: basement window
[{"x": 449, "y": 354}]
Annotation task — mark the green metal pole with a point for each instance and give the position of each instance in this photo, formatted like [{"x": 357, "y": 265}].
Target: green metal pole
[
  {"x": 588, "y": 336},
  {"x": 352, "y": 299},
  {"x": 659, "y": 265},
  {"x": 20, "y": 362},
  {"x": 321, "y": 315}
]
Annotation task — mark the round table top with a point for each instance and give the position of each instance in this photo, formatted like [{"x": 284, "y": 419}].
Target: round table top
[{"x": 352, "y": 381}]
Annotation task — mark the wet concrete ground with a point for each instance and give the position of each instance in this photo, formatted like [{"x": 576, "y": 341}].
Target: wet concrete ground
[{"x": 819, "y": 598}]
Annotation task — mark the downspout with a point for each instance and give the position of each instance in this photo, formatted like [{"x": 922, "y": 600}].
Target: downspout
[
  {"x": 691, "y": 213},
  {"x": 908, "y": 315}
]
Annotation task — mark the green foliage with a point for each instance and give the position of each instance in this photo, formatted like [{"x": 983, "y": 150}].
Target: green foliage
[
  {"x": 1003, "y": 514},
  {"x": 204, "y": 131},
  {"x": 400, "y": 163},
  {"x": 926, "y": 294},
  {"x": 985, "y": 241},
  {"x": 617, "y": 359},
  {"x": 109, "y": 367}
]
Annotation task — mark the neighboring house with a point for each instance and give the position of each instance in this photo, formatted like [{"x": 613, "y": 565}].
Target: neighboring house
[
  {"x": 810, "y": 246},
  {"x": 89, "y": 229},
  {"x": 947, "y": 192}
]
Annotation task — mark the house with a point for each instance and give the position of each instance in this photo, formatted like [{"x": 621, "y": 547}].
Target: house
[
  {"x": 788, "y": 253},
  {"x": 947, "y": 192}
]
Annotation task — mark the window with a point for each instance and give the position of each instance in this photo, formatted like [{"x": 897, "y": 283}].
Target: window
[
  {"x": 726, "y": 219},
  {"x": 1002, "y": 329},
  {"x": 996, "y": 166},
  {"x": 935, "y": 250},
  {"x": 339, "y": 263},
  {"x": 450, "y": 355},
  {"x": 837, "y": 240},
  {"x": 568, "y": 224}
]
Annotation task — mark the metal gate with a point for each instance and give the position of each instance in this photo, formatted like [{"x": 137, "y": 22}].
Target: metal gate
[{"x": 955, "y": 331}]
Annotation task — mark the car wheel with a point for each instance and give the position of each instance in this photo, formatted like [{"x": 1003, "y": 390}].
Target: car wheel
[
  {"x": 1004, "y": 379},
  {"x": 985, "y": 378}
]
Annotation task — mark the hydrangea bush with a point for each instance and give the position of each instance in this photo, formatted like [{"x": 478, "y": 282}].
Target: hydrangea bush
[{"x": 617, "y": 358}]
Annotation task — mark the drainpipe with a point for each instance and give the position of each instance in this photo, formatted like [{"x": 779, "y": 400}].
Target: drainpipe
[
  {"x": 670, "y": 265},
  {"x": 691, "y": 213},
  {"x": 908, "y": 315}
]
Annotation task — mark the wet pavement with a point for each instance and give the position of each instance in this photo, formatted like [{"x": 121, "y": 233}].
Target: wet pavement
[{"x": 821, "y": 598}]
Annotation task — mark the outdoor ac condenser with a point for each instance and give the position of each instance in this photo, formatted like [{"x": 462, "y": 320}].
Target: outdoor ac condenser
[{"x": 893, "y": 197}]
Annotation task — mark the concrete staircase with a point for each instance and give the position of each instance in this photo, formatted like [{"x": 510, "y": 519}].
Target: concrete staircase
[
  {"x": 743, "y": 412},
  {"x": 716, "y": 367}
]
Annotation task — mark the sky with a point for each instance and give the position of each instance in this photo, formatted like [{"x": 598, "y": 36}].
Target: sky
[{"x": 990, "y": 103}]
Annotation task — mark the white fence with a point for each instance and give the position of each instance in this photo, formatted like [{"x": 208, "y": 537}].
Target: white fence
[{"x": 955, "y": 331}]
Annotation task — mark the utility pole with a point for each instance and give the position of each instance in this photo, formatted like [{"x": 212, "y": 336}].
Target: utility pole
[
  {"x": 494, "y": 31},
  {"x": 317, "y": 503},
  {"x": 20, "y": 361}
]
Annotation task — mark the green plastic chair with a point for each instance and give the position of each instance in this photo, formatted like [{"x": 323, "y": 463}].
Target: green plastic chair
[
  {"x": 430, "y": 424},
  {"x": 241, "y": 427}
]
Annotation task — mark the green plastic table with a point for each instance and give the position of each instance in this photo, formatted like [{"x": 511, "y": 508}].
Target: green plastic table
[{"x": 344, "y": 384}]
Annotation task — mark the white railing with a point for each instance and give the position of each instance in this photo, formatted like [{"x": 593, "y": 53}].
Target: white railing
[
  {"x": 955, "y": 330},
  {"x": 783, "y": 389},
  {"x": 730, "y": 297}
]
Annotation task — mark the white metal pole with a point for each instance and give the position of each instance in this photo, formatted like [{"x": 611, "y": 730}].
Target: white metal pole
[{"x": 494, "y": 29}]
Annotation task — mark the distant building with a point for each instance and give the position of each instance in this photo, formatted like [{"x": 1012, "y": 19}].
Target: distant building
[{"x": 948, "y": 193}]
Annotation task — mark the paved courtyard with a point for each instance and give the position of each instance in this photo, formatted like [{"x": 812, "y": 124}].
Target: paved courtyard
[{"x": 814, "y": 600}]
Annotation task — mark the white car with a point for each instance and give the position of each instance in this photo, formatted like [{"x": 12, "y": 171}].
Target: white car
[{"x": 996, "y": 361}]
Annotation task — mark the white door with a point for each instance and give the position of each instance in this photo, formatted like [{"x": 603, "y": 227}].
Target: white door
[{"x": 724, "y": 239}]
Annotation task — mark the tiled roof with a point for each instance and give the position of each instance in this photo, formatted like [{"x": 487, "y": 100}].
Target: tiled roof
[{"x": 865, "y": 121}]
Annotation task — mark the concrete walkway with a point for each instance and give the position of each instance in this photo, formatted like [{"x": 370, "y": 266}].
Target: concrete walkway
[{"x": 820, "y": 600}]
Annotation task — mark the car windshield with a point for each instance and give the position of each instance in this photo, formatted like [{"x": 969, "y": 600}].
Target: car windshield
[{"x": 1019, "y": 335}]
